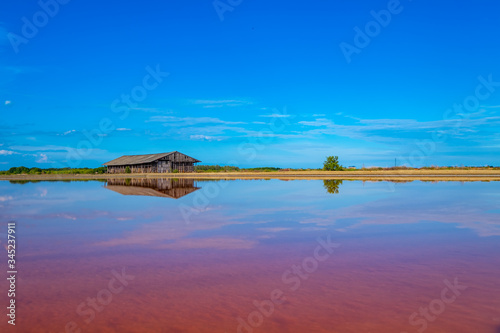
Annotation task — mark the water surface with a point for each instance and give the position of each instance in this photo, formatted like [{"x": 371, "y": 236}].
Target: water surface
[{"x": 250, "y": 256}]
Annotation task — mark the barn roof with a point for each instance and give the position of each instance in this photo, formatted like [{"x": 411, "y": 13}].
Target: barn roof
[{"x": 140, "y": 159}]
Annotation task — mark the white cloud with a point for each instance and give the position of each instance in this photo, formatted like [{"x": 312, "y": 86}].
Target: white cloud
[
  {"x": 5, "y": 198},
  {"x": 189, "y": 121},
  {"x": 275, "y": 115},
  {"x": 220, "y": 103},
  {"x": 205, "y": 137},
  {"x": 318, "y": 122},
  {"x": 69, "y": 132},
  {"x": 367, "y": 129},
  {"x": 43, "y": 159},
  {"x": 7, "y": 152},
  {"x": 8, "y": 102},
  {"x": 123, "y": 129},
  {"x": 42, "y": 148}
]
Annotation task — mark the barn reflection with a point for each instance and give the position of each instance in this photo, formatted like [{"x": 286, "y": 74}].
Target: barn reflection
[{"x": 158, "y": 187}]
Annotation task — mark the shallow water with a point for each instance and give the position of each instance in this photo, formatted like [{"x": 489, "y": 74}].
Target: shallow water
[{"x": 254, "y": 256}]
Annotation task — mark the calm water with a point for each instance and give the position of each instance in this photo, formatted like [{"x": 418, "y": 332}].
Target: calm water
[{"x": 254, "y": 256}]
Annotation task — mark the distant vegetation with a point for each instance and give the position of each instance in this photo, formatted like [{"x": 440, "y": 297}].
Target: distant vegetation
[
  {"x": 62, "y": 171},
  {"x": 331, "y": 164},
  {"x": 265, "y": 169},
  {"x": 215, "y": 168}
]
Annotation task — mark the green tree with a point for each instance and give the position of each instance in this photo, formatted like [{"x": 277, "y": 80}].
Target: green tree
[
  {"x": 35, "y": 171},
  {"x": 332, "y": 185},
  {"x": 127, "y": 170},
  {"x": 332, "y": 164}
]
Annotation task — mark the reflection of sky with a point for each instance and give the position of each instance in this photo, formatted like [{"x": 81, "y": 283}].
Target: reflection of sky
[
  {"x": 409, "y": 234},
  {"x": 239, "y": 213}
]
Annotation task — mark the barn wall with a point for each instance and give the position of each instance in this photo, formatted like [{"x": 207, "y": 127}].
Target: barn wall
[{"x": 175, "y": 161}]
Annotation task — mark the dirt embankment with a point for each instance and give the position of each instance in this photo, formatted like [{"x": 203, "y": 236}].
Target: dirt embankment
[{"x": 395, "y": 175}]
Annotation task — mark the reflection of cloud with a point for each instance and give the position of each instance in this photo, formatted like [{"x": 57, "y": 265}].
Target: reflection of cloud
[
  {"x": 313, "y": 229},
  {"x": 124, "y": 218},
  {"x": 173, "y": 232},
  {"x": 67, "y": 216},
  {"x": 274, "y": 229},
  {"x": 404, "y": 210},
  {"x": 221, "y": 243},
  {"x": 5, "y": 198}
]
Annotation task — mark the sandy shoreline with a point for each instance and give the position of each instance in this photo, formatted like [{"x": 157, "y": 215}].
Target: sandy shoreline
[{"x": 395, "y": 175}]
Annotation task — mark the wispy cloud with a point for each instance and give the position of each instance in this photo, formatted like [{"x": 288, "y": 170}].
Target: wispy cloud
[
  {"x": 152, "y": 110},
  {"x": 7, "y": 152},
  {"x": 123, "y": 129},
  {"x": 41, "y": 148},
  {"x": 7, "y": 102},
  {"x": 205, "y": 137},
  {"x": 189, "y": 121},
  {"x": 69, "y": 132},
  {"x": 490, "y": 106},
  {"x": 220, "y": 103},
  {"x": 43, "y": 159},
  {"x": 275, "y": 115},
  {"x": 395, "y": 130}
]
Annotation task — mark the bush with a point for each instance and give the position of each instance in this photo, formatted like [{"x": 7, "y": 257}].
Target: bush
[
  {"x": 100, "y": 170},
  {"x": 332, "y": 164},
  {"x": 215, "y": 168},
  {"x": 263, "y": 169},
  {"x": 127, "y": 170}
]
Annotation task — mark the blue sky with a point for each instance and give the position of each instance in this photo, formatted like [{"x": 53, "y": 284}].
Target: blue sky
[{"x": 250, "y": 83}]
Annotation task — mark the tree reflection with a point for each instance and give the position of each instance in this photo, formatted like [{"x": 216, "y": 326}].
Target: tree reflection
[{"x": 332, "y": 185}]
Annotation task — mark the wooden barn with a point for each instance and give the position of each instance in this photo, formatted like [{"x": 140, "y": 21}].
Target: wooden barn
[{"x": 153, "y": 163}]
